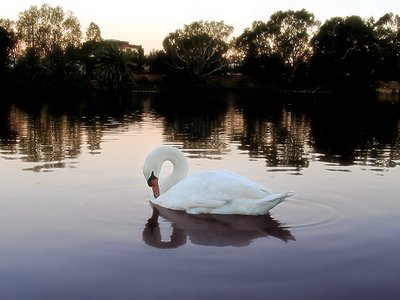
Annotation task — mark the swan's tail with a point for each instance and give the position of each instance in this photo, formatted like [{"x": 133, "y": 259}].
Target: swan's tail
[
  {"x": 273, "y": 200},
  {"x": 277, "y": 196},
  {"x": 289, "y": 194}
]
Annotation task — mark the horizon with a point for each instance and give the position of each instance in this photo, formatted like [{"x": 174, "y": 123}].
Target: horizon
[{"x": 148, "y": 23}]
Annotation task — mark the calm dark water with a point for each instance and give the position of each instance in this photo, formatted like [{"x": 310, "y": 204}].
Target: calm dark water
[{"x": 75, "y": 221}]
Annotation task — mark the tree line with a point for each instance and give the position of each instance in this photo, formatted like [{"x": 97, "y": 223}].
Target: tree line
[{"x": 45, "y": 49}]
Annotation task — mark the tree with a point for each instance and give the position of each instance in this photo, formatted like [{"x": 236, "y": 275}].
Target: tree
[
  {"x": 198, "y": 49},
  {"x": 157, "y": 61},
  {"x": 8, "y": 25},
  {"x": 7, "y": 44},
  {"x": 255, "y": 41},
  {"x": 281, "y": 42},
  {"x": 93, "y": 33},
  {"x": 290, "y": 32},
  {"x": 114, "y": 68},
  {"x": 50, "y": 38},
  {"x": 256, "y": 56},
  {"x": 29, "y": 71},
  {"x": 343, "y": 53},
  {"x": 48, "y": 29},
  {"x": 387, "y": 33}
]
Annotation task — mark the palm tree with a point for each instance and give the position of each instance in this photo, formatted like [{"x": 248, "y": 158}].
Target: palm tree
[{"x": 114, "y": 68}]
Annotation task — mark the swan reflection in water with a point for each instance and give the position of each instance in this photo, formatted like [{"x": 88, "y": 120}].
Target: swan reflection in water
[{"x": 211, "y": 230}]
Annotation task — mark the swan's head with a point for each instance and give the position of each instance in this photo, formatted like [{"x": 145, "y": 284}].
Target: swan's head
[
  {"x": 152, "y": 168},
  {"x": 153, "y": 183},
  {"x": 151, "y": 172}
]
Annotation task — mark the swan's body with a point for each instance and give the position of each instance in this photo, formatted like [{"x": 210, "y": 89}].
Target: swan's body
[{"x": 212, "y": 192}]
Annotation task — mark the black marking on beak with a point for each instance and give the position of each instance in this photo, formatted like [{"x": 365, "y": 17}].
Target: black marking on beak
[{"x": 152, "y": 177}]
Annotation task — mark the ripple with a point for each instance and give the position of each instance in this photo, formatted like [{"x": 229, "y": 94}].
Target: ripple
[
  {"x": 115, "y": 205},
  {"x": 309, "y": 213}
]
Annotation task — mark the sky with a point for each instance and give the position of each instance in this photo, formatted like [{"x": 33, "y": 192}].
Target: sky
[{"x": 148, "y": 22}]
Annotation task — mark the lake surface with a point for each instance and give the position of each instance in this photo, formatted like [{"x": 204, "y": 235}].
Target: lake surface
[{"x": 74, "y": 204}]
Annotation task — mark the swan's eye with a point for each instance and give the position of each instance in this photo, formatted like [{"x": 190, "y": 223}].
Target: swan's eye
[{"x": 152, "y": 177}]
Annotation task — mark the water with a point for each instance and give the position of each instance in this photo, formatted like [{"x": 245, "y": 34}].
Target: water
[{"x": 75, "y": 221}]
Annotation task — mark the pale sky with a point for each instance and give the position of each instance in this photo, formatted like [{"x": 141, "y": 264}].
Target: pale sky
[{"x": 148, "y": 22}]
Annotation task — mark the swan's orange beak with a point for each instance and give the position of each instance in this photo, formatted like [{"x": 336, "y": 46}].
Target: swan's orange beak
[{"x": 155, "y": 187}]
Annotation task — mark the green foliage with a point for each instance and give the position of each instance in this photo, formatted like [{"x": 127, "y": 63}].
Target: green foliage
[
  {"x": 278, "y": 45},
  {"x": 48, "y": 29},
  {"x": 7, "y": 46},
  {"x": 344, "y": 53},
  {"x": 114, "y": 69},
  {"x": 8, "y": 25},
  {"x": 93, "y": 33},
  {"x": 290, "y": 33},
  {"x": 157, "y": 61},
  {"x": 59, "y": 71},
  {"x": 88, "y": 55},
  {"x": 29, "y": 71},
  {"x": 254, "y": 42},
  {"x": 198, "y": 49},
  {"x": 387, "y": 33},
  {"x": 7, "y": 43}
]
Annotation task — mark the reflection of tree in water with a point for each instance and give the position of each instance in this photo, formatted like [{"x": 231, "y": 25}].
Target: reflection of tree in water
[
  {"x": 41, "y": 138},
  {"x": 364, "y": 134},
  {"x": 196, "y": 124},
  {"x": 45, "y": 137},
  {"x": 381, "y": 155},
  {"x": 283, "y": 142},
  {"x": 8, "y": 135},
  {"x": 207, "y": 128},
  {"x": 285, "y": 134},
  {"x": 53, "y": 138}
]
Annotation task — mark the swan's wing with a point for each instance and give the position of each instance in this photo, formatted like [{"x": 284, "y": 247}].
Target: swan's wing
[
  {"x": 190, "y": 192},
  {"x": 215, "y": 188},
  {"x": 205, "y": 191},
  {"x": 233, "y": 186}
]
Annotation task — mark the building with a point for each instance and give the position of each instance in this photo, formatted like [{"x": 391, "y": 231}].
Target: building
[{"x": 126, "y": 46}]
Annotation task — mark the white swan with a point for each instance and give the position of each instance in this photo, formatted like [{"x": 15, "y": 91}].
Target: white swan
[{"x": 211, "y": 192}]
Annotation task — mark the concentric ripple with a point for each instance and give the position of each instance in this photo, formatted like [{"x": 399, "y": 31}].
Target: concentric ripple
[
  {"x": 115, "y": 206},
  {"x": 300, "y": 212}
]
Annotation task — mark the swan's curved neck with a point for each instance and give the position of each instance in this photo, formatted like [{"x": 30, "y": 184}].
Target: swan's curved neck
[{"x": 180, "y": 167}]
